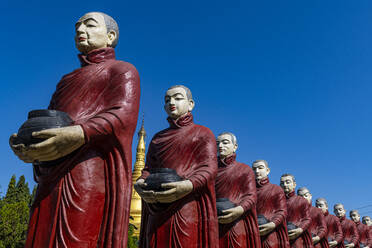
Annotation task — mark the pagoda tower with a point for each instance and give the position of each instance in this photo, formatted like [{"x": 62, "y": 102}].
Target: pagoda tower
[{"x": 135, "y": 205}]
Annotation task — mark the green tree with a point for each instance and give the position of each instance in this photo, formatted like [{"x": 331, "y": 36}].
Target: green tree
[
  {"x": 11, "y": 193},
  {"x": 14, "y": 214},
  {"x": 13, "y": 224},
  {"x": 32, "y": 197},
  {"x": 23, "y": 191},
  {"x": 132, "y": 240}
]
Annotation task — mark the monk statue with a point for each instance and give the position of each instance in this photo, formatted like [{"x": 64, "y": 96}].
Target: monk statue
[
  {"x": 271, "y": 208},
  {"x": 84, "y": 201},
  {"x": 181, "y": 213},
  {"x": 365, "y": 240},
  {"x": 236, "y": 182},
  {"x": 367, "y": 221},
  {"x": 318, "y": 226},
  {"x": 298, "y": 218},
  {"x": 334, "y": 231},
  {"x": 349, "y": 229}
]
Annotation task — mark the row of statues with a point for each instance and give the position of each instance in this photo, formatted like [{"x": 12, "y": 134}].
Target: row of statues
[
  {"x": 264, "y": 214},
  {"x": 83, "y": 200}
]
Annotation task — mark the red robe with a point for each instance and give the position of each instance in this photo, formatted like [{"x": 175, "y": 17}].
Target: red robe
[
  {"x": 271, "y": 203},
  {"x": 299, "y": 214},
  {"x": 84, "y": 201},
  {"x": 318, "y": 227},
  {"x": 236, "y": 181},
  {"x": 190, "y": 222},
  {"x": 334, "y": 229},
  {"x": 364, "y": 234},
  {"x": 349, "y": 231}
]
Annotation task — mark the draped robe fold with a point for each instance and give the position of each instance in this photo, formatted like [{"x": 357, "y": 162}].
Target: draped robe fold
[
  {"x": 349, "y": 231},
  {"x": 299, "y": 214},
  {"x": 84, "y": 201},
  {"x": 318, "y": 227},
  {"x": 236, "y": 181},
  {"x": 334, "y": 229},
  {"x": 271, "y": 203},
  {"x": 364, "y": 234},
  {"x": 189, "y": 222}
]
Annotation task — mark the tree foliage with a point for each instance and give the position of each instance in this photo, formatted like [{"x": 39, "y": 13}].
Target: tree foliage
[
  {"x": 14, "y": 214},
  {"x": 132, "y": 240}
]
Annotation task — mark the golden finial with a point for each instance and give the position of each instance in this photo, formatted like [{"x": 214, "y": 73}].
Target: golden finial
[{"x": 135, "y": 205}]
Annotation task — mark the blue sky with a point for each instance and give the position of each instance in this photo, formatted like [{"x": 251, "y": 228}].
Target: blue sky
[{"x": 292, "y": 79}]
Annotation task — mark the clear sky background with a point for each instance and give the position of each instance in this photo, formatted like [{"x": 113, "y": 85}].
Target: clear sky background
[{"x": 292, "y": 79}]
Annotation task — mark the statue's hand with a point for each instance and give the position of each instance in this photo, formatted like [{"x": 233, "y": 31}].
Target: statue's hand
[
  {"x": 147, "y": 195},
  {"x": 316, "y": 239},
  {"x": 266, "y": 228},
  {"x": 351, "y": 245},
  {"x": 293, "y": 234},
  {"x": 230, "y": 215},
  {"x": 59, "y": 142},
  {"x": 332, "y": 243},
  {"x": 19, "y": 149},
  {"x": 176, "y": 191}
]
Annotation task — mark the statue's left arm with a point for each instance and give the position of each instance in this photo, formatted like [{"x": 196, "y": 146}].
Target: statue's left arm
[
  {"x": 354, "y": 234},
  {"x": 205, "y": 162},
  {"x": 305, "y": 218},
  {"x": 249, "y": 198},
  {"x": 121, "y": 108},
  {"x": 322, "y": 226}
]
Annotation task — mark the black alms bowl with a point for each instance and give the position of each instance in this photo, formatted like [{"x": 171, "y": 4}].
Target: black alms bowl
[
  {"x": 291, "y": 226},
  {"x": 40, "y": 120},
  {"x": 223, "y": 204},
  {"x": 261, "y": 220},
  {"x": 161, "y": 175}
]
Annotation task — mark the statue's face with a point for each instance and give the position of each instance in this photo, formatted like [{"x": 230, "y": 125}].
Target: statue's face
[
  {"x": 354, "y": 216},
  {"x": 225, "y": 145},
  {"x": 261, "y": 171},
  {"x": 339, "y": 211},
  {"x": 306, "y": 194},
  {"x": 322, "y": 205},
  {"x": 367, "y": 221},
  {"x": 287, "y": 184},
  {"x": 91, "y": 33},
  {"x": 177, "y": 103}
]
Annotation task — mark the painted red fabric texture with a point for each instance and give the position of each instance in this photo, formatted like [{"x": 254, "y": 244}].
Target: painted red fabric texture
[
  {"x": 271, "y": 203},
  {"x": 299, "y": 214},
  {"x": 364, "y": 234},
  {"x": 236, "y": 181},
  {"x": 334, "y": 229},
  {"x": 190, "y": 222},
  {"x": 318, "y": 227},
  {"x": 84, "y": 201},
  {"x": 349, "y": 231}
]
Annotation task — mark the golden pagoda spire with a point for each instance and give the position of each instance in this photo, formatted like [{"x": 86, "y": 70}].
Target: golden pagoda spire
[{"x": 135, "y": 205}]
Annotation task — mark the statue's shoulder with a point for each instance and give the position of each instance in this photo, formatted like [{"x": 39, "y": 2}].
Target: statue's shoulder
[
  {"x": 301, "y": 201},
  {"x": 120, "y": 67},
  {"x": 244, "y": 168},
  {"x": 204, "y": 132},
  {"x": 276, "y": 189}
]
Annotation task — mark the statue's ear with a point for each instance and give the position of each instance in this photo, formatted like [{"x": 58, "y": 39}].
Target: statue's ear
[
  {"x": 111, "y": 37},
  {"x": 191, "y": 105},
  {"x": 235, "y": 147},
  {"x": 268, "y": 170}
]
